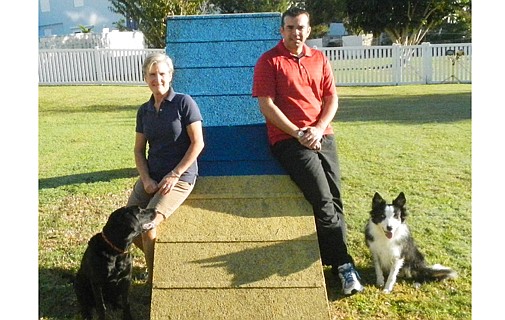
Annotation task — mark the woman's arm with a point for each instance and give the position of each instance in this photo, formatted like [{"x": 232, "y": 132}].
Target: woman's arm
[
  {"x": 195, "y": 133},
  {"x": 139, "y": 151}
]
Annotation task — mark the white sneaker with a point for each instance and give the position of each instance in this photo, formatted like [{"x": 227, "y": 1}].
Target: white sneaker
[{"x": 349, "y": 277}]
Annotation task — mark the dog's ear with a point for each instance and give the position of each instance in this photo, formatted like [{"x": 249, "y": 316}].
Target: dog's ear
[
  {"x": 148, "y": 210},
  {"x": 134, "y": 209},
  {"x": 400, "y": 200},
  {"x": 377, "y": 200}
]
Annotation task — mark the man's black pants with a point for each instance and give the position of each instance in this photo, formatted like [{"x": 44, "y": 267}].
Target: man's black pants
[{"x": 317, "y": 174}]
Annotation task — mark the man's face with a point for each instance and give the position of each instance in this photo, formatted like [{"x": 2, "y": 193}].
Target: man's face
[{"x": 295, "y": 31}]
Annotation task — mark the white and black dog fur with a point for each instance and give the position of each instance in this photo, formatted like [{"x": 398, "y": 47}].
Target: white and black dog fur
[{"x": 393, "y": 249}]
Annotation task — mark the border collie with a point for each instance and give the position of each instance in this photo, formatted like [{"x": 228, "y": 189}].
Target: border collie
[{"x": 393, "y": 249}]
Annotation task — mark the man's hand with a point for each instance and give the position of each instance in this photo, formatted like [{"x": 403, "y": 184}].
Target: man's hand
[{"x": 312, "y": 138}]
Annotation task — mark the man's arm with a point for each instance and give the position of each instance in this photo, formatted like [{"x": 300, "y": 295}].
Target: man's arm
[
  {"x": 314, "y": 134},
  {"x": 276, "y": 117},
  {"x": 329, "y": 109}
]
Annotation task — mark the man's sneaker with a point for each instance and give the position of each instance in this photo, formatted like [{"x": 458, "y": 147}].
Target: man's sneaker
[{"x": 349, "y": 277}]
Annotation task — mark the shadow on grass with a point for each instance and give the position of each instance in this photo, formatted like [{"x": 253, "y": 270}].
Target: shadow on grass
[
  {"x": 114, "y": 108},
  {"x": 412, "y": 109},
  {"x": 91, "y": 177},
  {"x": 57, "y": 299}
]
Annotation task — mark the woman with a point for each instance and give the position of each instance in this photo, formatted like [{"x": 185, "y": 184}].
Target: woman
[{"x": 171, "y": 124}]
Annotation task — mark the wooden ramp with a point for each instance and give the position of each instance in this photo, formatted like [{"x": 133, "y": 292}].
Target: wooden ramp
[{"x": 242, "y": 247}]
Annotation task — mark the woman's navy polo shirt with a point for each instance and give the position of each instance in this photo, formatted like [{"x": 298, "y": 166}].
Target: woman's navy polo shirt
[{"x": 166, "y": 133}]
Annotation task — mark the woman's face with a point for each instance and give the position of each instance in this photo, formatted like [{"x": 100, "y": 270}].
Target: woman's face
[{"x": 158, "y": 78}]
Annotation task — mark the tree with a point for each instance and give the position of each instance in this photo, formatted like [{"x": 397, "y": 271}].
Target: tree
[
  {"x": 150, "y": 15},
  {"x": 404, "y": 21},
  {"x": 322, "y": 13},
  {"x": 456, "y": 29},
  {"x": 325, "y": 11},
  {"x": 85, "y": 29},
  {"x": 244, "y": 6}
]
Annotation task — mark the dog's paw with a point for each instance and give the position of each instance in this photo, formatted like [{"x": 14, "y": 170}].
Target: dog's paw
[
  {"x": 388, "y": 287},
  {"x": 386, "y": 291}
]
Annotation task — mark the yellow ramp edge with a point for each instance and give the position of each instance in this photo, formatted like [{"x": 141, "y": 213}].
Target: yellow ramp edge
[
  {"x": 240, "y": 304},
  {"x": 239, "y": 248}
]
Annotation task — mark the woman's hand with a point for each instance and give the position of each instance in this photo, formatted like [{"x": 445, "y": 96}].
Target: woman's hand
[
  {"x": 150, "y": 186},
  {"x": 168, "y": 182}
]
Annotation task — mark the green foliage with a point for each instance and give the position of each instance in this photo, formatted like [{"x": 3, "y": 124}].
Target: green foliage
[
  {"x": 325, "y": 11},
  {"x": 318, "y": 31},
  {"x": 85, "y": 29},
  {"x": 151, "y": 14},
  {"x": 120, "y": 25},
  {"x": 456, "y": 29},
  {"x": 404, "y": 21},
  {"x": 415, "y": 139},
  {"x": 244, "y": 6}
]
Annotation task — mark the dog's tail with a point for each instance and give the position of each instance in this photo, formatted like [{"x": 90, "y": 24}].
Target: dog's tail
[{"x": 437, "y": 272}]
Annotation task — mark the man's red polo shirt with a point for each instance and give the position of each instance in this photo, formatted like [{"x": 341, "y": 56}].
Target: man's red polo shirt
[{"x": 296, "y": 85}]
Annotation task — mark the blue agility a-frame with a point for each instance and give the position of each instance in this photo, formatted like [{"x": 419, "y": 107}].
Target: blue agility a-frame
[{"x": 214, "y": 58}]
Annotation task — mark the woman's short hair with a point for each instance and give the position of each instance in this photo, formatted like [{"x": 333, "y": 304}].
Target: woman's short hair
[{"x": 154, "y": 58}]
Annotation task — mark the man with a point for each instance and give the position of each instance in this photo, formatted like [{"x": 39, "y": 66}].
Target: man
[{"x": 296, "y": 94}]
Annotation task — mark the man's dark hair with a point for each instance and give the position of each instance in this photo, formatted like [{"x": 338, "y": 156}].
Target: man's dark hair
[{"x": 294, "y": 12}]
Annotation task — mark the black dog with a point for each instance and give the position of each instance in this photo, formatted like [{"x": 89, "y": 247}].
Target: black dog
[{"x": 105, "y": 272}]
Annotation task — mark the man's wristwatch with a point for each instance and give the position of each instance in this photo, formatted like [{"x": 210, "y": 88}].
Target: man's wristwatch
[{"x": 300, "y": 133}]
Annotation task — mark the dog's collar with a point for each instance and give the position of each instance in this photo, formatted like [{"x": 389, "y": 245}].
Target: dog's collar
[{"x": 112, "y": 245}]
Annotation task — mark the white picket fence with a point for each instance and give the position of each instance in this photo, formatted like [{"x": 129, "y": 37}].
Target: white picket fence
[
  {"x": 92, "y": 66},
  {"x": 352, "y": 66},
  {"x": 398, "y": 65}
]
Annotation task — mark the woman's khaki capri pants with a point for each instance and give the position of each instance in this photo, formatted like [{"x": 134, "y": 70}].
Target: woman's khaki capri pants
[{"x": 163, "y": 204}]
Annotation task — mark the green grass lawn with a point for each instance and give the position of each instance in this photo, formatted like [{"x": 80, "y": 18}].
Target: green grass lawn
[{"x": 415, "y": 139}]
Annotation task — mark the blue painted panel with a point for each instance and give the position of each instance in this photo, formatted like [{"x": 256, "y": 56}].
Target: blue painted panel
[
  {"x": 223, "y": 27},
  {"x": 237, "y": 150},
  {"x": 217, "y": 54},
  {"x": 229, "y": 110},
  {"x": 214, "y": 81},
  {"x": 214, "y": 58}
]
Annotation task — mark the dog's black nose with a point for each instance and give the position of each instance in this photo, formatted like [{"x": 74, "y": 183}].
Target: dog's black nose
[{"x": 390, "y": 228}]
